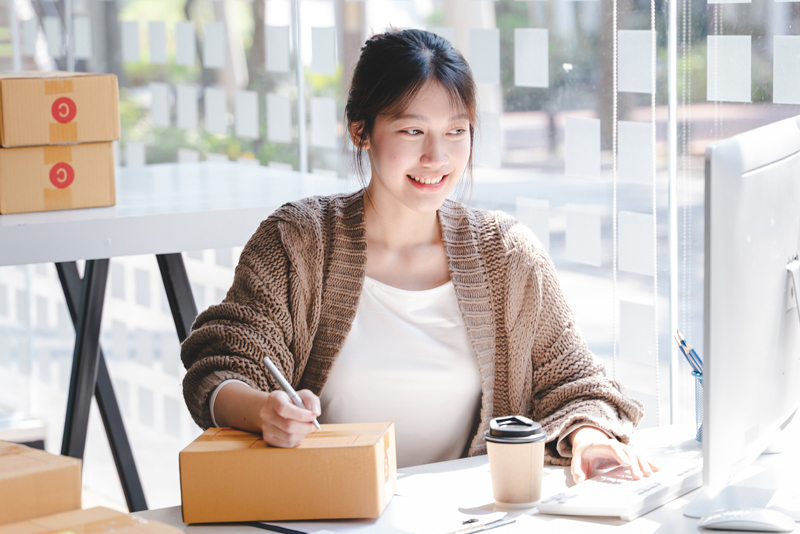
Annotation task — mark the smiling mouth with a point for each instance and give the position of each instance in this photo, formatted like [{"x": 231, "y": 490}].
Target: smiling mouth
[{"x": 427, "y": 181}]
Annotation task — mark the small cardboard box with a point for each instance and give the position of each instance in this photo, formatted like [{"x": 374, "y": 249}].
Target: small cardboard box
[
  {"x": 45, "y": 108},
  {"x": 338, "y": 472},
  {"x": 92, "y": 520},
  {"x": 34, "y": 483},
  {"x": 44, "y": 178}
]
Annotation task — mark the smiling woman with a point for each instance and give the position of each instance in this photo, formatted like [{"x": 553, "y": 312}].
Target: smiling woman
[{"x": 398, "y": 304}]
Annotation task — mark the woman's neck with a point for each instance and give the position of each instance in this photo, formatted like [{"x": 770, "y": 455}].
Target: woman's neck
[{"x": 396, "y": 227}]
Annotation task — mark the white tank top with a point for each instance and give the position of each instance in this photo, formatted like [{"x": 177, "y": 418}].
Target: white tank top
[{"x": 408, "y": 359}]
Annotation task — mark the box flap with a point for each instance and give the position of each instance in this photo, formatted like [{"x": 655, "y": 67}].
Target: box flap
[
  {"x": 45, "y": 74},
  {"x": 18, "y": 460},
  {"x": 329, "y": 436}
]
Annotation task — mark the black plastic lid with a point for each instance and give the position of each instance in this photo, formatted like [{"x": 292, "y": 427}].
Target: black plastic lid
[{"x": 514, "y": 429}]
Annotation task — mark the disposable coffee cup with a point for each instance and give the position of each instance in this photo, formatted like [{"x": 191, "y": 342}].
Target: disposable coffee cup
[{"x": 515, "y": 445}]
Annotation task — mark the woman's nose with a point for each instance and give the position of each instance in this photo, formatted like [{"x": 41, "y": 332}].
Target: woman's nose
[{"x": 433, "y": 154}]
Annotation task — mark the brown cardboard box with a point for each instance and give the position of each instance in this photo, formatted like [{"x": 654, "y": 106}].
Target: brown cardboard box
[
  {"x": 34, "y": 483},
  {"x": 44, "y": 108},
  {"x": 44, "y": 178},
  {"x": 93, "y": 520},
  {"x": 338, "y": 472}
]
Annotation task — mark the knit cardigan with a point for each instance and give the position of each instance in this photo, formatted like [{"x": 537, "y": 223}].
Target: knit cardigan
[{"x": 296, "y": 290}]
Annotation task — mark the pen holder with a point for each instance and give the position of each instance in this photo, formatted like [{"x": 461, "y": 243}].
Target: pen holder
[{"x": 698, "y": 404}]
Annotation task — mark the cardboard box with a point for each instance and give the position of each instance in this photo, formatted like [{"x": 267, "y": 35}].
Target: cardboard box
[
  {"x": 93, "y": 520},
  {"x": 34, "y": 483},
  {"x": 44, "y": 178},
  {"x": 45, "y": 108},
  {"x": 338, "y": 472}
]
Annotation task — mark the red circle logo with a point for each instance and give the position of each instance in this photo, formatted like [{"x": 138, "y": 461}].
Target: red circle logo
[
  {"x": 64, "y": 109},
  {"x": 61, "y": 175}
]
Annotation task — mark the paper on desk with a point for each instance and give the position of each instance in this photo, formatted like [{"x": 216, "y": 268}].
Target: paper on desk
[
  {"x": 403, "y": 516},
  {"x": 465, "y": 488}
]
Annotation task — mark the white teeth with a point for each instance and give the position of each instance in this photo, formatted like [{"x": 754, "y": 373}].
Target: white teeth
[{"x": 427, "y": 180}]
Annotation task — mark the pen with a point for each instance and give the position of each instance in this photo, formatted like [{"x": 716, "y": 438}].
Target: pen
[
  {"x": 688, "y": 352},
  {"x": 691, "y": 353},
  {"x": 694, "y": 355},
  {"x": 285, "y": 386},
  {"x": 480, "y": 527}
]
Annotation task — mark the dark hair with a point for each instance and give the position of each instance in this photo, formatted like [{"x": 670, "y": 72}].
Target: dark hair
[{"x": 391, "y": 70}]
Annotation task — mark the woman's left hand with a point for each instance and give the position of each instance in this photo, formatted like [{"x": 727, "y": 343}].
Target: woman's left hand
[{"x": 593, "y": 450}]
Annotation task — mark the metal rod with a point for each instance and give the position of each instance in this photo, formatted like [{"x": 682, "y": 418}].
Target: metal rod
[
  {"x": 302, "y": 141},
  {"x": 85, "y": 358},
  {"x": 179, "y": 292},
  {"x": 106, "y": 401}
]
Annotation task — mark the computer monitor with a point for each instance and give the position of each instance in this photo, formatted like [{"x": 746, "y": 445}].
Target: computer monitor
[{"x": 751, "y": 350}]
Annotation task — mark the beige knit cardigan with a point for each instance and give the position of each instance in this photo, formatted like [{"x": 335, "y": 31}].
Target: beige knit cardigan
[{"x": 296, "y": 290}]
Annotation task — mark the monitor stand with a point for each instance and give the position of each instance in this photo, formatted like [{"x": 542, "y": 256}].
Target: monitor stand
[{"x": 732, "y": 497}]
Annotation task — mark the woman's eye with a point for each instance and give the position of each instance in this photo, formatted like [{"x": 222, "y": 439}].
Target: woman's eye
[{"x": 458, "y": 131}]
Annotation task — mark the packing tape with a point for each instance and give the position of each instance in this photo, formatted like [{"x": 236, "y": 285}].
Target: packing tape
[
  {"x": 227, "y": 434},
  {"x": 56, "y": 154},
  {"x": 55, "y": 87},
  {"x": 64, "y": 133},
  {"x": 12, "y": 448},
  {"x": 57, "y": 199}
]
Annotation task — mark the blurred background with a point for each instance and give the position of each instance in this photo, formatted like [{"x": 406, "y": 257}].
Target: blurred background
[{"x": 204, "y": 80}]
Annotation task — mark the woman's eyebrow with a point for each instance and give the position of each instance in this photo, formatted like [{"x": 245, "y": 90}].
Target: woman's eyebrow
[{"x": 406, "y": 116}]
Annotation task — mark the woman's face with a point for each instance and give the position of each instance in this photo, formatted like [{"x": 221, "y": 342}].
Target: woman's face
[{"x": 419, "y": 157}]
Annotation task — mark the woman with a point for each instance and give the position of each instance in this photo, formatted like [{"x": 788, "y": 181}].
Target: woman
[{"x": 397, "y": 304}]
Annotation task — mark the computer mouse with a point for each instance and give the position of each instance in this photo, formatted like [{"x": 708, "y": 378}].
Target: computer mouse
[{"x": 749, "y": 519}]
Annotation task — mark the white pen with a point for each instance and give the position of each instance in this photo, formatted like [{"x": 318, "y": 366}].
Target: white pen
[{"x": 285, "y": 386}]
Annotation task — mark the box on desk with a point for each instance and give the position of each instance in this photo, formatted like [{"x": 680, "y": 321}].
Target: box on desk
[
  {"x": 338, "y": 472},
  {"x": 44, "y": 178},
  {"x": 92, "y": 520},
  {"x": 34, "y": 483},
  {"x": 44, "y": 108}
]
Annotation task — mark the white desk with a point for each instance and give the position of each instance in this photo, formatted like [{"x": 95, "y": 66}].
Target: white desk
[
  {"x": 161, "y": 210},
  {"x": 429, "y": 498}
]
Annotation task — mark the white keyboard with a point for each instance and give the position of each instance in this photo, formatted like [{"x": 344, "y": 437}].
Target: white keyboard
[{"x": 615, "y": 493}]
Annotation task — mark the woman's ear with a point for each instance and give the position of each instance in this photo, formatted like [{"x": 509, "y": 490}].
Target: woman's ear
[{"x": 356, "y": 131}]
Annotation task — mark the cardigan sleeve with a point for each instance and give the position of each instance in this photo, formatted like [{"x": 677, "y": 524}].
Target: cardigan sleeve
[
  {"x": 569, "y": 383},
  {"x": 258, "y": 318}
]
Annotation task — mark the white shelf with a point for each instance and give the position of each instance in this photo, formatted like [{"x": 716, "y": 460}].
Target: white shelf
[{"x": 162, "y": 209}]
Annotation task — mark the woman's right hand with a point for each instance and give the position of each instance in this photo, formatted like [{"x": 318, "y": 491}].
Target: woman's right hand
[{"x": 285, "y": 425}]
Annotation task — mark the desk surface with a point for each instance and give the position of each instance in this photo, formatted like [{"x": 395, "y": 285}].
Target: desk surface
[
  {"x": 429, "y": 498},
  {"x": 162, "y": 209}
]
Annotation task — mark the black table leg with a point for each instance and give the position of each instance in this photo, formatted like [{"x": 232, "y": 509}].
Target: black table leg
[
  {"x": 85, "y": 358},
  {"x": 179, "y": 292},
  {"x": 106, "y": 401}
]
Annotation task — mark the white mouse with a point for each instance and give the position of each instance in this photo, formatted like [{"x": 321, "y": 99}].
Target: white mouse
[{"x": 750, "y": 519}]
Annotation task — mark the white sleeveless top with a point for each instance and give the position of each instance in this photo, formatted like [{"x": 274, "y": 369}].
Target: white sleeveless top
[{"x": 408, "y": 359}]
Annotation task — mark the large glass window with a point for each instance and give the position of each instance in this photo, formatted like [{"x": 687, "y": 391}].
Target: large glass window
[{"x": 574, "y": 140}]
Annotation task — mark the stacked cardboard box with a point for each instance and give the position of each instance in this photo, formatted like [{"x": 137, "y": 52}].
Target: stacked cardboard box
[
  {"x": 93, "y": 520},
  {"x": 34, "y": 483},
  {"x": 56, "y": 130},
  {"x": 338, "y": 472}
]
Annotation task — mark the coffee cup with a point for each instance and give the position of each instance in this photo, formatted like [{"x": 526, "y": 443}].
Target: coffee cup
[{"x": 515, "y": 445}]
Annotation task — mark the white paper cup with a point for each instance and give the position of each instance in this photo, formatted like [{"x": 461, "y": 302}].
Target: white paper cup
[{"x": 516, "y": 459}]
